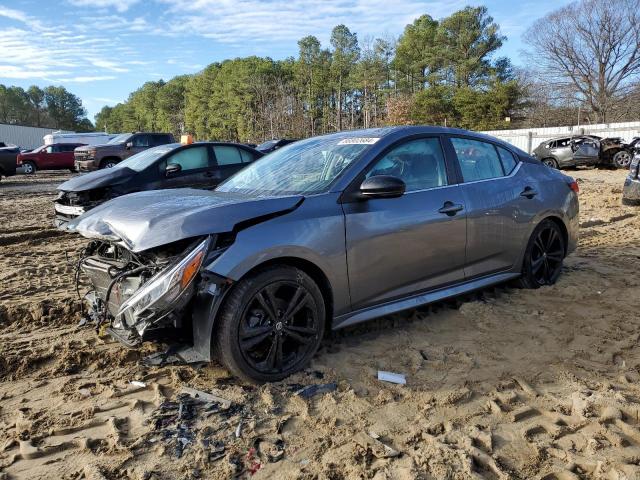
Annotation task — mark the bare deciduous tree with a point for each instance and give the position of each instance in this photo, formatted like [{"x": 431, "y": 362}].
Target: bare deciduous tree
[{"x": 591, "y": 47}]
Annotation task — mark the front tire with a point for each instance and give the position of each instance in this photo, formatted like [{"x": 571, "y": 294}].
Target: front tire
[
  {"x": 108, "y": 163},
  {"x": 270, "y": 325},
  {"x": 551, "y": 163},
  {"x": 29, "y": 168},
  {"x": 544, "y": 256}
]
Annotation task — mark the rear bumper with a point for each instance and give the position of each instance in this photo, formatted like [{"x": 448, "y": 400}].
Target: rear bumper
[{"x": 631, "y": 191}]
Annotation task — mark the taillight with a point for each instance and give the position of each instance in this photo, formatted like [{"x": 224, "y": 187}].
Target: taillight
[
  {"x": 574, "y": 186},
  {"x": 18, "y": 161}
]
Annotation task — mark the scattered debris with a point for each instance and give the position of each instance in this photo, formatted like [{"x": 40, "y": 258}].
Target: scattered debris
[
  {"x": 311, "y": 390},
  {"x": 238, "y": 431},
  {"x": 207, "y": 397},
  {"x": 138, "y": 383},
  {"x": 372, "y": 441},
  {"x": 392, "y": 377}
]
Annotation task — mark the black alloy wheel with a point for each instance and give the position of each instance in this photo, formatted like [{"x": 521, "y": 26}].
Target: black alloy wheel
[
  {"x": 544, "y": 256},
  {"x": 271, "y": 324},
  {"x": 278, "y": 327}
]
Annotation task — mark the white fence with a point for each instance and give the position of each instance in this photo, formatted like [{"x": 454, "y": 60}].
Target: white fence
[
  {"x": 25, "y": 137},
  {"x": 528, "y": 139}
]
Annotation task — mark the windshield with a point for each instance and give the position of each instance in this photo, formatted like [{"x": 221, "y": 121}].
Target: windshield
[
  {"x": 305, "y": 167},
  {"x": 119, "y": 138},
  {"x": 142, "y": 160},
  {"x": 267, "y": 144}
]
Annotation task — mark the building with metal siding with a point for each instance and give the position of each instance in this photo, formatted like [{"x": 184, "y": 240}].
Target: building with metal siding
[{"x": 25, "y": 137}]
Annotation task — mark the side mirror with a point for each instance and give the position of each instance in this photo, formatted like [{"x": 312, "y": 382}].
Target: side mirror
[
  {"x": 129, "y": 145},
  {"x": 172, "y": 169},
  {"x": 382, "y": 186}
]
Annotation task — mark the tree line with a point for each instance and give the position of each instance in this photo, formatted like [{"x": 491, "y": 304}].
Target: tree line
[
  {"x": 52, "y": 107},
  {"x": 582, "y": 66},
  {"x": 436, "y": 72}
]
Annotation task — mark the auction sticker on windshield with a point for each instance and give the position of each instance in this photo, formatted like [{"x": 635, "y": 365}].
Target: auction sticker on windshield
[{"x": 359, "y": 141}]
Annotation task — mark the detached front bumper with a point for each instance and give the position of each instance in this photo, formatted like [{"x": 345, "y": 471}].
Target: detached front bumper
[
  {"x": 631, "y": 191},
  {"x": 65, "y": 213}
]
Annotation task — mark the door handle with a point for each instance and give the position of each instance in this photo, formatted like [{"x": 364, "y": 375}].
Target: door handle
[
  {"x": 450, "y": 208},
  {"x": 528, "y": 192},
  {"x": 210, "y": 174}
]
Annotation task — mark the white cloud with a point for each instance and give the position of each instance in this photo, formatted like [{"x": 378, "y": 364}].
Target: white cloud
[
  {"x": 84, "y": 79},
  {"x": 119, "y": 5},
  {"x": 240, "y": 21}
]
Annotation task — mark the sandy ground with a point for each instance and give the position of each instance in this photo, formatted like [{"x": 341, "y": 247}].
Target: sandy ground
[{"x": 503, "y": 384}]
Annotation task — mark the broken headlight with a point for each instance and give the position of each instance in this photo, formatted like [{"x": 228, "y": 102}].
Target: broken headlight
[{"x": 158, "y": 294}]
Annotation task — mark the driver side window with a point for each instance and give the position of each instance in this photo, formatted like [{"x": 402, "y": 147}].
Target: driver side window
[
  {"x": 192, "y": 158},
  {"x": 418, "y": 163}
]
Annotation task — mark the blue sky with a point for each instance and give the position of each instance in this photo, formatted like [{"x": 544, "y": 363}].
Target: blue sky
[{"x": 101, "y": 50}]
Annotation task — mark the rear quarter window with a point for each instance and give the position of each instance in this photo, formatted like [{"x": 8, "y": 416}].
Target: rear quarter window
[{"x": 509, "y": 161}]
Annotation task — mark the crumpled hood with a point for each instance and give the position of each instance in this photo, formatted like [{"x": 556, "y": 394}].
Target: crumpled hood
[
  {"x": 146, "y": 220},
  {"x": 98, "y": 179}
]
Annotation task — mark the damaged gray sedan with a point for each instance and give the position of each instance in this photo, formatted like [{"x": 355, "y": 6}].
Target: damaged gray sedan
[{"x": 324, "y": 233}]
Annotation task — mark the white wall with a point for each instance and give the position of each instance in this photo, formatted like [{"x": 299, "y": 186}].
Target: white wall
[
  {"x": 26, "y": 137},
  {"x": 528, "y": 139}
]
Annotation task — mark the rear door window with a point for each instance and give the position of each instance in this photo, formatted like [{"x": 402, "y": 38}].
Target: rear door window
[
  {"x": 192, "y": 158},
  {"x": 227, "y": 155},
  {"x": 160, "y": 140},
  {"x": 478, "y": 160},
  {"x": 246, "y": 156},
  {"x": 142, "y": 141}
]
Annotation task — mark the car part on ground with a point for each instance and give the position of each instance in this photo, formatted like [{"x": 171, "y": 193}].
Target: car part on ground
[
  {"x": 121, "y": 147},
  {"x": 197, "y": 165},
  {"x": 631, "y": 188},
  {"x": 320, "y": 235}
]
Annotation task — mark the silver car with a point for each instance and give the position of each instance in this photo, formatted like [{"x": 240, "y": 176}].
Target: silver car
[
  {"x": 569, "y": 151},
  {"x": 323, "y": 234}
]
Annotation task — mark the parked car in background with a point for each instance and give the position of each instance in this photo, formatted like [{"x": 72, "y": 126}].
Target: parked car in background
[
  {"x": 94, "y": 157},
  {"x": 92, "y": 138},
  {"x": 271, "y": 145},
  {"x": 198, "y": 165},
  {"x": 584, "y": 150},
  {"x": 325, "y": 233},
  {"x": 8, "y": 158},
  {"x": 58, "y": 156},
  {"x": 631, "y": 189}
]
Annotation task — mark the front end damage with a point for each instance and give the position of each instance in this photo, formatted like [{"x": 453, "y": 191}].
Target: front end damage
[{"x": 151, "y": 295}]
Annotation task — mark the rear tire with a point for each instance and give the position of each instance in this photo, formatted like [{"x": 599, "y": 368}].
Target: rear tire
[
  {"x": 270, "y": 325},
  {"x": 622, "y": 159},
  {"x": 551, "y": 163},
  {"x": 543, "y": 257},
  {"x": 29, "y": 168}
]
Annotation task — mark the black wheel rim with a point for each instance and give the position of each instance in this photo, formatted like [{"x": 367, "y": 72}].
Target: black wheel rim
[
  {"x": 279, "y": 327},
  {"x": 546, "y": 256},
  {"x": 549, "y": 163}
]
